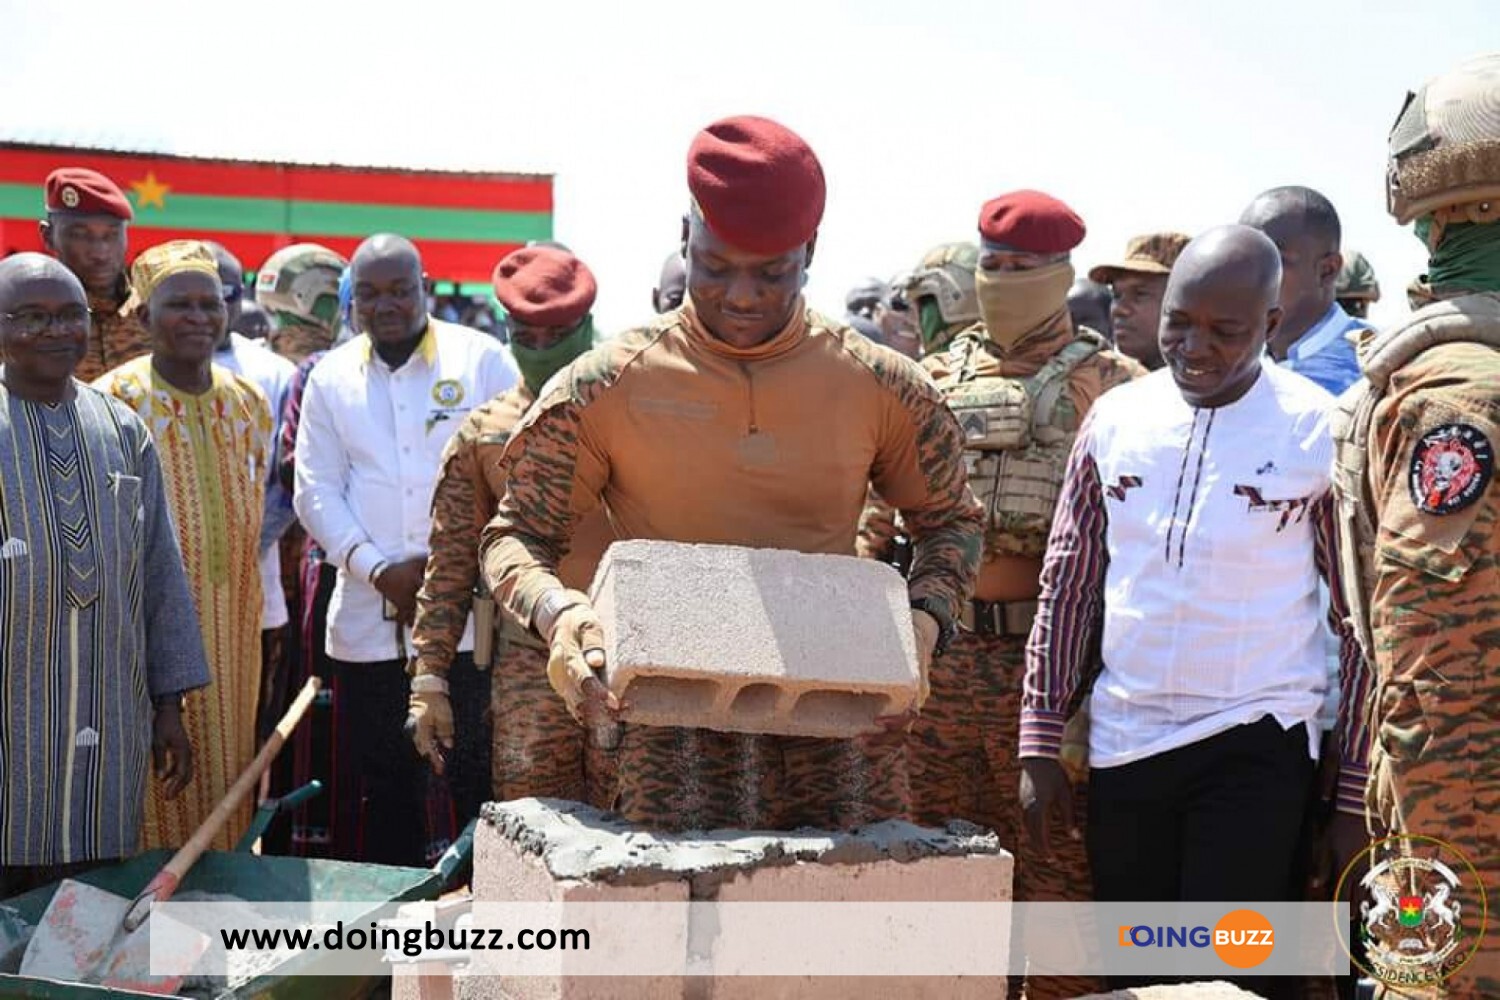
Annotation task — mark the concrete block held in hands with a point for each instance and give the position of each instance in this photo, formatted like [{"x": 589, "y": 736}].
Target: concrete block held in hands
[{"x": 755, "y": 640}]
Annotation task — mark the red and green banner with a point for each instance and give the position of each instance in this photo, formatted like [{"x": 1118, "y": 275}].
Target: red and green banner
[{"x": 462, "y": 222}]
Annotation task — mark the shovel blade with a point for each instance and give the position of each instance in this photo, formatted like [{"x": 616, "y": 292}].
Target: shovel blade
[{"x": 81, "y": 939}]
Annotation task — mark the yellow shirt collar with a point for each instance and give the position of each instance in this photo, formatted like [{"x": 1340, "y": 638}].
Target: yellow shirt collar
[{"x": 427, "y": 348}]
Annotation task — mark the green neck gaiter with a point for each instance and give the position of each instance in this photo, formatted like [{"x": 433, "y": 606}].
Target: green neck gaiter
[
  {"x": 537, "y": 366},
  {"x": 1468, "y": 256},
  {"x": 935, "y": 332}
]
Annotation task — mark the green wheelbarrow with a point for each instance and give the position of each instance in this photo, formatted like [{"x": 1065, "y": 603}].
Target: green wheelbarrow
[{"x": 258, "y": 878}]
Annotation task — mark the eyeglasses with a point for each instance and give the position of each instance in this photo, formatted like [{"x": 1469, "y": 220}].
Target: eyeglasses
[{"x": 35, "y": 322}]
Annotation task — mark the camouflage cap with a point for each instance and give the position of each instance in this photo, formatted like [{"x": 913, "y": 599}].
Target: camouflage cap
[
  {"x": 946, "y": 274},
  {"x": 1153, "y": 253},
  {"x": 300, "y": 284},
  {"x": 1356, "y": 279},
  {"x": 1444, "y": 150}
]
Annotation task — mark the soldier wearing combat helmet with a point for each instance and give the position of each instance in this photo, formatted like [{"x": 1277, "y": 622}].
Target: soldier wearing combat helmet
[
  {"x": 1356, "y": 286},
  {"x": 941, "y": 289},
  {"x": 1419, "y": 507},
  {"x": 299, "y": 286}
]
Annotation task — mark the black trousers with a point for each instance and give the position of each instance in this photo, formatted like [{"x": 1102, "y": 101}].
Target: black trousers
[
  {"x": 1216, "y": 820},
  {"x": 378, "y": 786}
]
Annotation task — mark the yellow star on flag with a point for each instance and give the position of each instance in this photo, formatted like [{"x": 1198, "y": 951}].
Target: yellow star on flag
[{"x": 150, "y": 191}]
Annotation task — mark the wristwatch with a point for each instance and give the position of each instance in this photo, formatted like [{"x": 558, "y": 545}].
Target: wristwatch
[
  {"x": 946, "y": 628},
  {"x": 175, "y": 698}
]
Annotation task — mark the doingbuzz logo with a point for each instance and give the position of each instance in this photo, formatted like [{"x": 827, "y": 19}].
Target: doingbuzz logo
[{"x": 1242, "y": 939}]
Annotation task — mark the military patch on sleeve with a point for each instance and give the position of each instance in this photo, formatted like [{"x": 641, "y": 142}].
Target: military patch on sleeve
[{"x": 1451, "y": 466}]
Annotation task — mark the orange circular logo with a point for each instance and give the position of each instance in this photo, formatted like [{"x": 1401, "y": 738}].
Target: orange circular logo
[{"x": 1244, "y": 939}]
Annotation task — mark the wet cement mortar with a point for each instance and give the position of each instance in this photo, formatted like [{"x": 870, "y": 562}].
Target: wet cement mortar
[{"x": 577, "y": 842}]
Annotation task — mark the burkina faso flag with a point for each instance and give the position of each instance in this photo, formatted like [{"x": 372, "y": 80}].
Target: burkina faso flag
[
  {"x": 462, "y": 222},
  {"x": 1409, "y": 910}
]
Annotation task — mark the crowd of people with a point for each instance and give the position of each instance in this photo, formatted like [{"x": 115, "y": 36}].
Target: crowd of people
[{"x": 1202, "y": 568}]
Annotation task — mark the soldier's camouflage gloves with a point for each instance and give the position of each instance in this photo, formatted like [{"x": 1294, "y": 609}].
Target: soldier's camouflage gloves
[
  {"x": 576, "y": 640},
  {"x": 429, "y": 718}
]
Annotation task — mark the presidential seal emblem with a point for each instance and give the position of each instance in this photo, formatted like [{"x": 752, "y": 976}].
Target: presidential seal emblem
[
  {"x": 1421, "y": 911},
  {"x": 1450, "y": 467},
  {"x": 447, "y": 392}
]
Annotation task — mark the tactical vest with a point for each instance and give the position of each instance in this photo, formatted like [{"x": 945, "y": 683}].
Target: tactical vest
[
  {"x": 1018, "y": 432},
  {"x": 1468, "y": 319}
]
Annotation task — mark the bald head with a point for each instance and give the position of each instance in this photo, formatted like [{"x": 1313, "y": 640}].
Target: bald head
[
  {"x": 1227, "y": 254},
  {"x": 1305, "y": 228},
  {"x": 385, "y": 247},
  {"x": 44, "y": 326},
  {"x": 1219, "y": 308},
  {"x": 21, "y": 269},
  {"x": 671, "y": 286},
  {"x": 390, "y": 302}
]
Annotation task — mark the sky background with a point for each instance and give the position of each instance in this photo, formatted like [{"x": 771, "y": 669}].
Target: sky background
[{"x": 1156, "y": 114}]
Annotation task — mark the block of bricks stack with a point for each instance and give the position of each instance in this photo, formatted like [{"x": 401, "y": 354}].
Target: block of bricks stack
[
  {"x": 547, "y": 850},
  {"x": 755, "y": 640}
]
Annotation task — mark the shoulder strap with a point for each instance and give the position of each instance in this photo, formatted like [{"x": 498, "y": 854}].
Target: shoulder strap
[
  {"x": 1468, "y": 318},
  {"x": 1046, "y": 386}
]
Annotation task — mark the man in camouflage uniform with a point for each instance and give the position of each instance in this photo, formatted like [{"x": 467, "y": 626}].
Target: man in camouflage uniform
[
  {"x": 712, "y": 426},
  {"x": 538, "y": 749},
  {"x": 1136, "y": 283},
  {"x": 1419, "y": 505},
  {"x": 1356, "y": 287},
  {"x": 299, "y": 286},
  {"x": 1020, "y": 381},
  {"x": 86, "y": 228}
]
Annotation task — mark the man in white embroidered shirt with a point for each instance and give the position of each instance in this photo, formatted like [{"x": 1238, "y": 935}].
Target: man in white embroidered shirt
[
  {"x": 1194, "y": 526},
  {"x": 376, "y": 415}
]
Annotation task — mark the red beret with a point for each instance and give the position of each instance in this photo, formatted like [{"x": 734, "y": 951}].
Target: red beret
[
  {"x": 1031, "y": 222},
  {"x": 758, "y": 185},
  {"x": 86, "y": 192},
  {"x": 544, "y": 286}
]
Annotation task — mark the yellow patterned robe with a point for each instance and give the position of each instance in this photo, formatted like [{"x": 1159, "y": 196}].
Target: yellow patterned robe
[{"x": 215, "y": 450}]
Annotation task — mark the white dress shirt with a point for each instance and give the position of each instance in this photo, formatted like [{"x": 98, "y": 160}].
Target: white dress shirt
[
  {"x": 368, "y": 452},
  {"x": 273, "y": 374},
  {"x": 1213, "y": 615}
]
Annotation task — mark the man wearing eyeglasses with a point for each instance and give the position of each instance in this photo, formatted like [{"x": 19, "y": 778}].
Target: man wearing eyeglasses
[
  {"x": 86, "y": 228},
  {"x": 98, "y": 636}
]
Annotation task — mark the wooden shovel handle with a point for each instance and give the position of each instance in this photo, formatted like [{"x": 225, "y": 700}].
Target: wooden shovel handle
[{"x": 166, "y": 880}]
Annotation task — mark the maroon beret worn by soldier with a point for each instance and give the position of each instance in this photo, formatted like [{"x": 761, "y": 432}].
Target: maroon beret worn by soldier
[
  {"x": 757, "y": 184},
  {"x": 544, "y": 286},
  {"x": 1017, "y": 302},
  {"x": 86, "y": 192},
  {"x": 1031, "y": 222},
  {"x": 115, "y": 335}
]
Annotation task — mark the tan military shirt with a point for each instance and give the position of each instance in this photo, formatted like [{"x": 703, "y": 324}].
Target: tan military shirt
[{"x": 115, "y": 334}]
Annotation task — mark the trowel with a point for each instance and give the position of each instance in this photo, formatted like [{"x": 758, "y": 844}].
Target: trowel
[{"x": 90, "y": 935}]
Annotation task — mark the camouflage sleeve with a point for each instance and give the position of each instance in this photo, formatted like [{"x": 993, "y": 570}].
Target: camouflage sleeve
[
  {"x": 445, "y": 596},
  {"x": 552, "y": 473},
  {"x": 920, "y": 470},
  {"x": 1436, "y": 594},
  {"x": 1354, "y": 672},
  {"x": 877, "y": 529},
  {"x": 1098, "y": 375}
]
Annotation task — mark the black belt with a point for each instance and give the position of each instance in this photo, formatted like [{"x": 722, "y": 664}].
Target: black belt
[{"x": 1002, "y": 618}]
